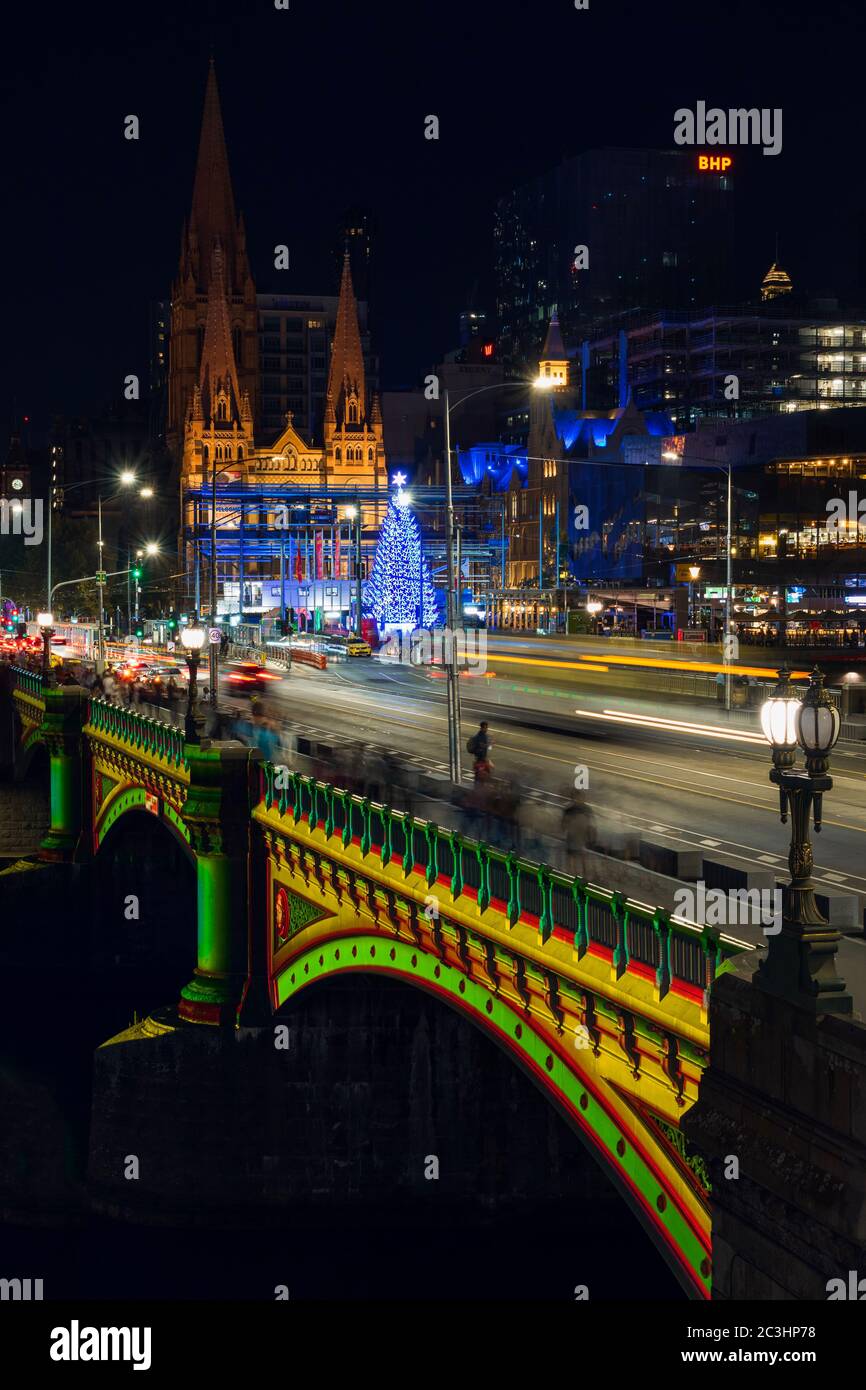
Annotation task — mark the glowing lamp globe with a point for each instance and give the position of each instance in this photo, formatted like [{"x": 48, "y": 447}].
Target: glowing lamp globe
[
  {"x": 818, "y": 724},
  {"x": 193, "y": 638},
  {"x": 779, "y": 720},
  {"x": 45, "y": 619}
]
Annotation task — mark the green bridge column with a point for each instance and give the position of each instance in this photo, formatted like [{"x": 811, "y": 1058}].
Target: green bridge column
[
  {"x": 223, "y": 784},
  {"x": 65, "y": 713}
]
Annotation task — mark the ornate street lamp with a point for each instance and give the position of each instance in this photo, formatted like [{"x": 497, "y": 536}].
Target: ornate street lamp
[
  {"x": 800, "y": 964},
  {"x": 46, "y": 627},
  {"x": 193, "y": 639},
  {"x": 779, "y": 715}
]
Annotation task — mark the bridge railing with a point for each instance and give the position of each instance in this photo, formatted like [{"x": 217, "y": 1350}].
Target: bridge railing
[
  {"x": 633, "y": 935},
  {"x": 31, "y": 681},
  {"x": 142, "y": 733}
]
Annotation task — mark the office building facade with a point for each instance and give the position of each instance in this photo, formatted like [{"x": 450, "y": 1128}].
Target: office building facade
[{"x": 605, "y": 232}]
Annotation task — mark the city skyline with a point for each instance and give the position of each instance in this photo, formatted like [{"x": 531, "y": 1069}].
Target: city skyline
[
  {"x": 432, "y": 636},
  {"x": 433, "y": 201}
]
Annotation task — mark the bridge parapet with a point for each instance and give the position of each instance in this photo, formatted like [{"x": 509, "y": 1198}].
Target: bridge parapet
[
  {"x": 29, "y": 681},
  {"x": 637, "y": 938},
  {"x": 148, "y": 737}
]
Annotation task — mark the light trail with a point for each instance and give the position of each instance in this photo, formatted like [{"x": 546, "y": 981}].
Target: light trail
[
  {"x": 674, "y": 726},
  {"x": 708, "y": 668}
]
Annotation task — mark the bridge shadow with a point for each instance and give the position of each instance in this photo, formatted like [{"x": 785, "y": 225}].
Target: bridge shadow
[
  {"x": 390, "y": 1151},
  {"x": 80, "y": 965},
  {"x": 142, "y": 911}
]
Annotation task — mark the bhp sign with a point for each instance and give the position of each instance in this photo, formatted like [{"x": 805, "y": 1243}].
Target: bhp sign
[{"x": 718, "y": 163}]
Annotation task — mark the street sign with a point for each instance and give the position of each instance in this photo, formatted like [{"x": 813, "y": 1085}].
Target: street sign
[
  {"x": 101, "y": 576},
  {"x": 214, "y": 636},
  {"x": 170, "y": 646}
]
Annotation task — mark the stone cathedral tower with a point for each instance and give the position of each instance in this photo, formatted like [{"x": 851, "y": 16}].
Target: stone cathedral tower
[
  {"x": 212, "y": 222},
  {"x": 354, "y": 443}
]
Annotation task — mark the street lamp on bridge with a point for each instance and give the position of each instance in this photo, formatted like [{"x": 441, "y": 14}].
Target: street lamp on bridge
[
  {"x": 46, "y": 627},
  {"x": 800, "y": 964},
  {"x": 193, "y": 638}
]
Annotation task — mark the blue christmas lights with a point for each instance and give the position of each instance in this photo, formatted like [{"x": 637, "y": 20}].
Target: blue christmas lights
[{"x": 400, "y": 589}]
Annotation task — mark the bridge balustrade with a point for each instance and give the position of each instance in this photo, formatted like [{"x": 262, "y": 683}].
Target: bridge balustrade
[
  {"x": 30, "y": 681},
  {"x": 634, "y": 935},
  {"x": 150, "y": 736}
]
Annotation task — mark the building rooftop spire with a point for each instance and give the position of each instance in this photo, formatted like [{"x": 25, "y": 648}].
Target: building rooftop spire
[
  {"x": 218, "y": 371},
  {"x": 213, "y": 206},
  {"x": 347, "y": 357},
  {"x": 554, "y": 347},
  {"x": 776, "y": 282}
]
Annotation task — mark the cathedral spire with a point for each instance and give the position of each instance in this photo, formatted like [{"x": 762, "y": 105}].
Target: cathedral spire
[
  {"x": 346, "y": 381},
  {"x": 213, "y": 205},
  {"x": 218, "y": 377}
]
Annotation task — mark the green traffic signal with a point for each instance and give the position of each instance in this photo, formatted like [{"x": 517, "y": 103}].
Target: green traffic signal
[{"x": 136, "y": 573}]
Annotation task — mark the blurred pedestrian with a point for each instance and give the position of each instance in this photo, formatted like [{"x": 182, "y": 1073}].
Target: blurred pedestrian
[{"x": 578, "y": 833}]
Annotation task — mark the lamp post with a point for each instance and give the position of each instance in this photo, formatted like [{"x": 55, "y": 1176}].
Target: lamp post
[
  {"x": 453, "y": 688},
  {"x": 353, "y": 513},
  {"x": 192, "y": 637},
  {"x": 593, "y": 608},
  {"x": 213, "y": 647},
  {"x": 800, "y": 964},
  {"x": 694, "y": 576},
  {"x": 126, "y": 478},
  {"x": 46, "y": 628},
  {"x": 674, "y": 457}
]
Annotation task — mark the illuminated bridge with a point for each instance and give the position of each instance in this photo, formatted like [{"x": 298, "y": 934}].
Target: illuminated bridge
[{"x": 602, "y": 1000}]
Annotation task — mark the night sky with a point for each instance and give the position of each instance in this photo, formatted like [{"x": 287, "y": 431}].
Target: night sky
[{"x": 324, "y": 108}]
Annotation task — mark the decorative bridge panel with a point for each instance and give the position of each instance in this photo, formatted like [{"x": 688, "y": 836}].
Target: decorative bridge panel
[{"x": 137, "y": 763}]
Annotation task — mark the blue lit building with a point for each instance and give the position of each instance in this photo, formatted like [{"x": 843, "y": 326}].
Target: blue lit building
[{"x": 576, "y": 498}]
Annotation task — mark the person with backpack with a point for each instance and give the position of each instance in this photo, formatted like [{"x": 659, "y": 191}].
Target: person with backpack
[{"x": 479, "y": 746}]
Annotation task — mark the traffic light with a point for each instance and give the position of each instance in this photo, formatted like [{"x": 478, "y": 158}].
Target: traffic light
[
  {"x": 171, "y": 623},
  {"x": 139, "y": 629},
  {"x": 136, "y": 573}
]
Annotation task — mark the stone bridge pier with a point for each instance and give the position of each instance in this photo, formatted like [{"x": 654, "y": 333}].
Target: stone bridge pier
[{"x": 781, "y": 1121}]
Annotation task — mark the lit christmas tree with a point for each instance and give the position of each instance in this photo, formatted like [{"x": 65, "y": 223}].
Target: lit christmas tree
[{"x": 399, "y": 592}]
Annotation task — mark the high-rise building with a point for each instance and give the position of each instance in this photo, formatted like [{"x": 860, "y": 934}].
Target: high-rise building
[
  {"x": 295, "y": 336},
  {"x": 158, "y": 339},
  {"x": 358, "y": 236},
  {"x": 741, "y": 361},
  {"x": 608, "y": 231}
]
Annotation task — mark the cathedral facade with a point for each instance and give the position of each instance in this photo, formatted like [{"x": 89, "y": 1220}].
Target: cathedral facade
[{"x": 213, "y": 363}]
